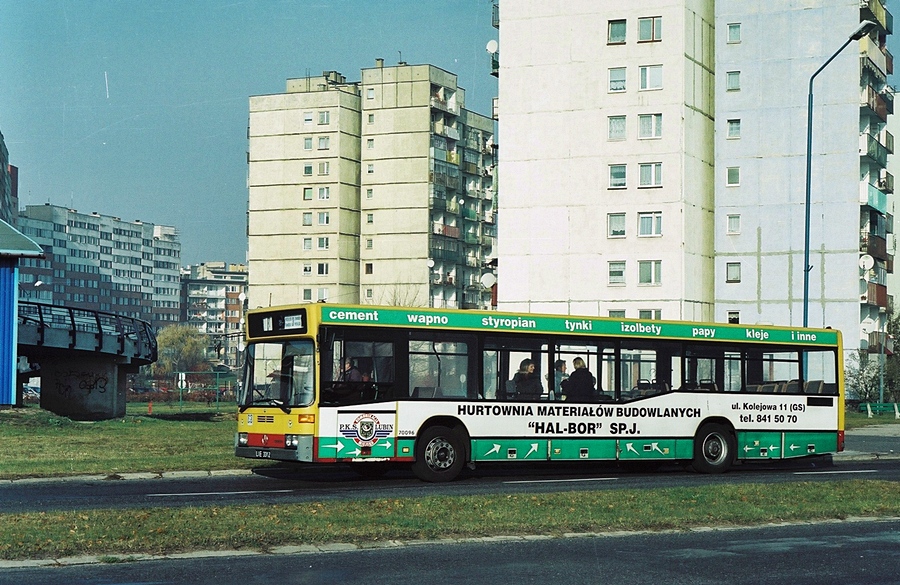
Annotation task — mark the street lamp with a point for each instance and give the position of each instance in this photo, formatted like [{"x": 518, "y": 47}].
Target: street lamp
[{"x": 864, "y": 28}]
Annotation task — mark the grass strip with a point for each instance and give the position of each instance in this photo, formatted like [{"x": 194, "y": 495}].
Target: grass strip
[{"x": 116, "y": 533}]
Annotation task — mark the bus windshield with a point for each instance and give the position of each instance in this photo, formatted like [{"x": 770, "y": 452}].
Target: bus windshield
[{"x": 279, "y": 373}]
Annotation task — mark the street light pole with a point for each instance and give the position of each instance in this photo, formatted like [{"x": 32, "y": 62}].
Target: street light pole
[{"x": 865, "y": 27}]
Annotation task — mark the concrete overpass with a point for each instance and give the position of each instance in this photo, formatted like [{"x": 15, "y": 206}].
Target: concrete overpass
[{"x": 82, "y": 358}]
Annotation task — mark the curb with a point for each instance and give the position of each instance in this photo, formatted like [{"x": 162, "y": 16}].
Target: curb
[{"x": 133, "y": 476}]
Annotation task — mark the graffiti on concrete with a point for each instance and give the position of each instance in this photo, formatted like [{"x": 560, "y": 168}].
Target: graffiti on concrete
[{"x": 82, "y": 383}]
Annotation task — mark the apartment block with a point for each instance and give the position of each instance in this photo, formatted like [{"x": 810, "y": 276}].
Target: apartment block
[
  {"x": 100, "y": 262},
  {"x": 655, "y": 153},
  {"x": 375, "y": 192},
  {"x": 213, "y": 303}
]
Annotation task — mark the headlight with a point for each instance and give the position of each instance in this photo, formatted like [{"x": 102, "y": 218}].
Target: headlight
[{"x": 242, "y": 439}]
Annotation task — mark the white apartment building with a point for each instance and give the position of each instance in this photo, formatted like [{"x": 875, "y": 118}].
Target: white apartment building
[
  {"x": 372, "y": 192},
  {"x": 654, "y": 160},
  {"x": 214, "y": 294}
]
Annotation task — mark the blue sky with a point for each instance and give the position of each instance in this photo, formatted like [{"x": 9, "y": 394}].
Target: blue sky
[{"x": 138, "y": 109}]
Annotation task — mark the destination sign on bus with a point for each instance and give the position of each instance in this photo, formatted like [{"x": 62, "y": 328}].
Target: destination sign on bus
[{"x": 574, "y": 325}]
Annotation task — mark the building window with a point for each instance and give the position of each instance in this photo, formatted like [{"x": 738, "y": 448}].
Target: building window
[
  {"x": 733, "y": 223},
  {"x": 370, "y": 169},
  {"x": 733, "y": 176},
  {"x": 651, "y": 175},
  {"x": 322, "y": 268},
  {"x": 617, "y": 79},
  {"x": 370, "y": 143},
  {"x": 323, "y": 294},
  {"x": 307, "y": 118},
  {"x": 616, "y": 176},
  {"x": 371, "y": 118},
  {"x": 733, "y": 81},
  {"x": 324, "y": 193},
  {"x": 307, "y": 193},
  {"x": 616, "y": 225},
  {"x": 369, "y": 293},
  {"x": 732, "y": 272},
  {"x": 734, "y": 128},
  {"x": 617, "y": 127},
  {"x": 617, "y": 272},
  {"x": 307, "y": 218},
  {"x": 734, "y": 32},
  {"x": 370, "y": 93},
  {"x": 323, "y": 243},
  {"x": 649, "y": 271},
  {"x": 324, "y": 167},
  {"x": 734, "y": 317},
  {"x": 650, "y": 29},
  {"x": 307, "y": 170},
  {"x": 650, "y": 224},
  {"x": 324, "y": 218},
  {"x": 307, "y": 243},
  {"x": 307, "y": 270},
  {"x": 324, "y": 117},
  {"x": 369, "y": 243},
  {"x": 370, "y": 218},
  {"x": 650, "y": 126},
  {"x": 617, "y": 314},
  {"x": 324, "y": 142},
  {"x": 650, "y": 314},
  {"x": 370, "y": 193},
  {"x": 307, "y": 294},
  {"x": 651, "y": 77},
  {"x": 616, "y": 32},
  {"x": 369, "y": 268},
  {"x": 307, "y": 143}
]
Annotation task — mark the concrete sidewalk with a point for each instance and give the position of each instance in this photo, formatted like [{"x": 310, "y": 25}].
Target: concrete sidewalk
[{"x": 872, "y": 442}]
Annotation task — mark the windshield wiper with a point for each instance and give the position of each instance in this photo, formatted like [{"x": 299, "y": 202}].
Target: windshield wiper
[{"x": 273, "y": 401}]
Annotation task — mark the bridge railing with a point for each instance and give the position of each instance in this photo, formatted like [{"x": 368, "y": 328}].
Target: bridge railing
[{"x": 126, "y": 329}]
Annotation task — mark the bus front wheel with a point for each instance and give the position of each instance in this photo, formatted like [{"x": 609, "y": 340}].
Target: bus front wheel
[
  {"x": 440, "y": 455},
  {"x": 714, "y": 449}
]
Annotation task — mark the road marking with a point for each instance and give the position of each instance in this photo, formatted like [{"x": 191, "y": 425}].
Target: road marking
[
  {"x": 834, "y": 472},
  {"x": 563, "y": 480},
  {"x": 219, "y": 493}
]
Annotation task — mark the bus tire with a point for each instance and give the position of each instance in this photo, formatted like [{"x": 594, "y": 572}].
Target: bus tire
[
  {"x": 714, "y": 449},
  {"x": 440, "y": 455}
]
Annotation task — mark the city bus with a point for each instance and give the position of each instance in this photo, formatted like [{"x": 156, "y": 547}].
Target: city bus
[{"x": 440, "y": 389}]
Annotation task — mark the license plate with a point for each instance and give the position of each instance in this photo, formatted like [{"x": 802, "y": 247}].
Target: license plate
[{"x": 263, "y": 454}]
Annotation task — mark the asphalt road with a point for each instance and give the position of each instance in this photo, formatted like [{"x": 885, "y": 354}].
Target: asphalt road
[{"x": 845, "y": 553}]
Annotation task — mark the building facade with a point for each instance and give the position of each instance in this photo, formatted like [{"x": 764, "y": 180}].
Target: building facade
[
  {"x": 682, "y": 194},
  {"x": 9, "y": 184},
  {"x": 378, "y": 191},
  {"x": 100, "y": 262},
  {"x": 213, "y": 303}
]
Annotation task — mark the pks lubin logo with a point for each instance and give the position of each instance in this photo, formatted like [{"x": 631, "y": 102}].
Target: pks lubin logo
[{"x": 366, "y": 429}]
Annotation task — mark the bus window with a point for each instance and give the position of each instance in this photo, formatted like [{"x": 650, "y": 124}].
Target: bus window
[
  {"x": 519, "y": 367},
  {"x": 599, "y": 362},
  {"x": 357, "y": 371},
  {"x": 648, "y": 369},
  {"x": 279, "y": 374},
  {"x": 438, "y": 369},
  {"x": 821, "y": 373}
]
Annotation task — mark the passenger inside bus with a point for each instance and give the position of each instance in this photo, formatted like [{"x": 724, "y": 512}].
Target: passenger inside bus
[{"x": 527, "y": 382}]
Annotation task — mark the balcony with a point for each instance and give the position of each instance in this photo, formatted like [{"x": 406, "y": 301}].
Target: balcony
[
  {"x": 871, "y": 99},
  {"x": 871, "y": 51},
  {"x": 875, "y": 246},
  {"x": 886, "y": 181},
  {"x": 449, "y": 107},
  {"x": 880, "y": 342},
  {"x": 495, "y": 64},
  {"x": 445, "y": 230},
  {"x": 495, "y": 16},
  {"x": 874, "y": 150},
  {"x": 875, "y": 295},
  {"x": 472, "y": 238},
  {"x": 873, "y": 197},
  {"x": 874, "y": 10},
  {"x": 887, "y": 139},
  {"x": 447, "y": 131}
]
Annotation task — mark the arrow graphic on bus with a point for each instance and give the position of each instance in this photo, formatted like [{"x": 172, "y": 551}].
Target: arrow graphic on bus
[
  {"x": 337, "y": 446},
  {"x": 494, "y": 449},
  {"x": 534, "y": 447},
  {"x": 630, "y": 447},
  {"x": 748, "y": 448},
  {"x": 773, "y": 448},
  {"x": 655, "y": 447},
  {"x": 355, "y": 452},
  {"x": 794, "y": 447},
  {"x": 385, "y": 444}
]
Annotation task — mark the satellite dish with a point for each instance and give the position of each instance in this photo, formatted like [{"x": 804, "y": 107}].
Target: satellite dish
[
  {"x": 866, "y": 262},
  {"x": 492, "y": 46},
  {"x": 430, "y": 263},
  {"x": 488, "y": 280}
]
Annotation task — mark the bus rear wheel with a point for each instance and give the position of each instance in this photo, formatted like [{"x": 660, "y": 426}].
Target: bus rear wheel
[
  {"x": 440, "y": 455},
  {"x": 714, "y": 449}
]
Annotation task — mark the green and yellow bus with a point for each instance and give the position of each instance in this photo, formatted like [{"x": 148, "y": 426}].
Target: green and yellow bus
[{"x": 442, "y": 389}]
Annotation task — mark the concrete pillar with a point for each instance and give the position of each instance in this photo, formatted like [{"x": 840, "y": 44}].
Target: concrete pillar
[{"x": 83, "y": 388}]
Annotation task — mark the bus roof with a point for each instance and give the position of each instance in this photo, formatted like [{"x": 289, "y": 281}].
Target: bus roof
[{"x": 507, "y": 322}]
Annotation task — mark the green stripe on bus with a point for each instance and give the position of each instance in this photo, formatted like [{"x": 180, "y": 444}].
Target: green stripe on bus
[
  {"x": 573, "y": 325},
  {"x": 774, "y": 445}
]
